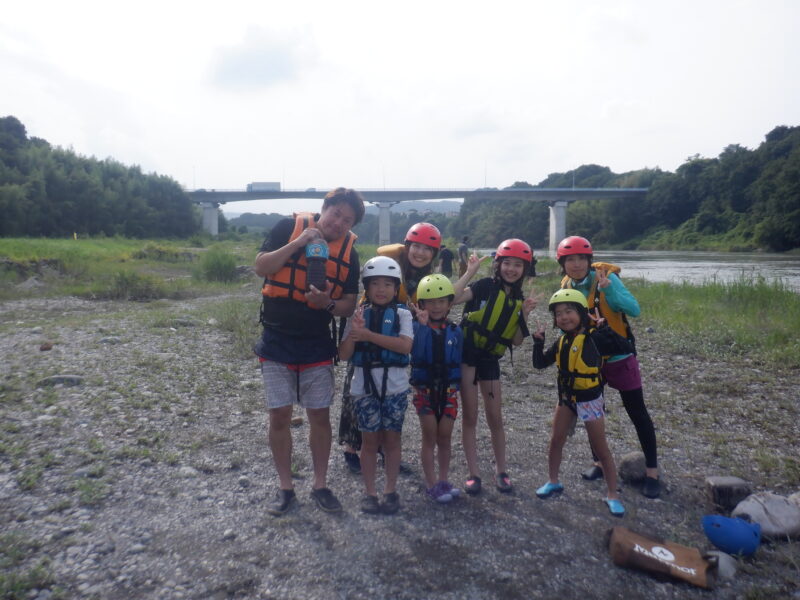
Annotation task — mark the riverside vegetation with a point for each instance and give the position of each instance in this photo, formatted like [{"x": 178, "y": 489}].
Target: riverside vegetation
[{"x": 144, "y": 470}]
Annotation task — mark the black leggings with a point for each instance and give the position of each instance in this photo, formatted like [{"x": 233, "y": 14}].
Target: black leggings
[{"x": 633, "y": 401}]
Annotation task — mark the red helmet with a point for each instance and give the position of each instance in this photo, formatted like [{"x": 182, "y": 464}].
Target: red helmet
[
  {"x": 574, "y": 244},
  {"x": 514, "y": 248},
  {"x": 425, "y": 233}
]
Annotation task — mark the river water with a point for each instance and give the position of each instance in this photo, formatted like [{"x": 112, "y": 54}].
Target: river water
[{"x": 697, "y": 267}]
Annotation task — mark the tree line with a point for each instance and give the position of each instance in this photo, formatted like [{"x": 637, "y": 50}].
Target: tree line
[
  {"x": 741, "y": 200},
  {"x": 52, "y": 192}
]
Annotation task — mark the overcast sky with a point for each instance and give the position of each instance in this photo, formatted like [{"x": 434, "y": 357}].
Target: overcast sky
[{"x": 402, "y": 94}]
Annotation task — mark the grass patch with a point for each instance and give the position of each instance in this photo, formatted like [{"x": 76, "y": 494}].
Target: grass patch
[
  {"x": 239, "y": 317},
  {"x": 756, "y": 319}
]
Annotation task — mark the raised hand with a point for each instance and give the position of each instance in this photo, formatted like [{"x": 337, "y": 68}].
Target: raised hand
[
  {"x": 531, "y": 302},
  {"x": 602, "y": 278},
  {"x": 598, "y": 320},
  {"x": 538, "y": 332},
  {"x": 420, "y": 313},
  {"x": 474, "y": 263}
]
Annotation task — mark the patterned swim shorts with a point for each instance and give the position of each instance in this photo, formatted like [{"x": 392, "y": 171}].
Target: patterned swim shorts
[
  {"x": 591, "y": 410},
  {"x": 425, "y": 403},
  {"x": 374, "y": 415}
]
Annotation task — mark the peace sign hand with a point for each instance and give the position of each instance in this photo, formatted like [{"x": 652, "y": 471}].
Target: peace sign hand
[
  {"x": 420, "y": 313},
  {"x": 538, "y": 333},
  {"x": 531, "y": 302},
  {"x": 602, "y": 279},
  {"x": 598, "y": 320}
]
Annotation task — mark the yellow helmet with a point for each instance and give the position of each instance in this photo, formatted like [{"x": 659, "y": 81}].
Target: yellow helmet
[
  {"x": 435, "y": 286},
  {"x": 568, "y": 295}
]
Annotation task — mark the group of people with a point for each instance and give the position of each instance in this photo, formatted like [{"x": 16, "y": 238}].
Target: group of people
[{"x": 402, "y": 321}]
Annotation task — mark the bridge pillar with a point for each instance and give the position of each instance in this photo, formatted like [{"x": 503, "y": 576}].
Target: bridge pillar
[
  {"x": 384, "y": 225},
  {"x": 558, "y": 224},
  {"x": 210, "y": 217}
]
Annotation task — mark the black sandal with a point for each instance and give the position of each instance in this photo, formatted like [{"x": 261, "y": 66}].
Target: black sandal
[{"x": 473, "y": 485}]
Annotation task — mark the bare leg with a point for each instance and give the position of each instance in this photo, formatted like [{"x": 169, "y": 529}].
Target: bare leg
[
  {"x": 469, "y": 418},
  {"x": 369, "y": 459},
  {"x": 280, "y": 443},
  {"x": 443, "y": 437},
  {"x": 391, "y": 449},
  {"x": 562, "y": 422},
  {"x": 429, "y": 439},
  {"x": 493, "y": 408},
  {"x": 597, "y": 435},
  {"x": 319, "y": 440}
]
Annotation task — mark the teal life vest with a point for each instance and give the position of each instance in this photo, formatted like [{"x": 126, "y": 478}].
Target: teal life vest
[{"x": 436, "y": 355}]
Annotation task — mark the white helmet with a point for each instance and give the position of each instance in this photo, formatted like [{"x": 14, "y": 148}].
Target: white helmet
[{"x": 381, "y": 266}]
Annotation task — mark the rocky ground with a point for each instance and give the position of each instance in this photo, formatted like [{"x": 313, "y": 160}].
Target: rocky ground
[{"x": 148, "y": 479}]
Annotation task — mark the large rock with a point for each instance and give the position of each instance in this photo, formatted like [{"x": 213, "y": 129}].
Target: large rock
[
  {"x": 632, "y": 467},
  {"x": 778, "y": 517},
  {"x": 727, "y": 492},
  {"x": 795, "y": 498}
]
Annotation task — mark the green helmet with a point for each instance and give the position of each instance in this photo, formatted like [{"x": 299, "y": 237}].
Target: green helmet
[
  {"x": 568, "y": 295},
  {"x": 434, "y": 286}
]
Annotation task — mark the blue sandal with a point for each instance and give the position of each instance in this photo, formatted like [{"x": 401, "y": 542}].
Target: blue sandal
[
  {"x": 548, "y": 489},
  {"x": 615, "y": 507}
]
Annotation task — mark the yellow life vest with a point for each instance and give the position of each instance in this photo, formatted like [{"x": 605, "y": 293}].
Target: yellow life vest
[
  {"x": 597, "y": 298},
  {"x": 578, "y": 380},
  {"x": 493, "y": 326},
  {"x": 290, "y": 280}
]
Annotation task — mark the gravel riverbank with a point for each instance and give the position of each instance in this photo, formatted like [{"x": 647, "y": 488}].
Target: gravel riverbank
[{"x": 148, "y": 479}]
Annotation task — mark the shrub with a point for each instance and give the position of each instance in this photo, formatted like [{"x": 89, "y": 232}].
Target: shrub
[
  {"x": 217, "y": 265},
  {"x": 129, "y": 285}
]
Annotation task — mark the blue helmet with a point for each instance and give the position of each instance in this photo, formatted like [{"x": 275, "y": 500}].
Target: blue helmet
[{"x": 734, "y": 536}]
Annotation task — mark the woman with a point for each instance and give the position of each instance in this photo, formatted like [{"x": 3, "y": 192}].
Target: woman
[
  {"x": 605, "y": 292},
  {"x": 416, "y": 257}
]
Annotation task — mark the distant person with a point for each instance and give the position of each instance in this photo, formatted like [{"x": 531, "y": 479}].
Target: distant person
[
  {"x": 604, "y": 290},
  {"x": 416, "y": 257},
  {"x": 463, "y": 256},
  {"x": 377, "y": 341},
  {"x": 495, "y": 318},
  {"x": 446, "y": 261},
  {"x": 436, "y": 377},
  {"x": 578, "y": 353},
  {"x": 296, "y": 348}
]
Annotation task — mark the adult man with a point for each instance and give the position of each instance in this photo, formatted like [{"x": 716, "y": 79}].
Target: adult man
[
  {"x": 297, "y": 348},
  {"x": 446, "y": 261},
  {"x": 463, "y": 256}
]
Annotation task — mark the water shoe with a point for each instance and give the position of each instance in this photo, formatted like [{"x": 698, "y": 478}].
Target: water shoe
[
  {"x": 615, "y": 507},
  {"x": 548, "y": 489}
]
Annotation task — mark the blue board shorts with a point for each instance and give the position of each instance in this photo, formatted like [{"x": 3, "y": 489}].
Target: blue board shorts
[{"x": 375, "y": 415}]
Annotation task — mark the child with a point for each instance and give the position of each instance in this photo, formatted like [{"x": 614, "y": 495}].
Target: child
[
  {"x": 435, "y": 375},
  {"x": 578, "y": 353},
  {"x": 604, "y": 290},
  {"x": 495, "y": 318},
  {"x": 377, "y": 341}
]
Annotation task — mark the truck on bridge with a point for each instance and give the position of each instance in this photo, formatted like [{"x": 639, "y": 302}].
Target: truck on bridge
[{"x": 264, "y": 186}]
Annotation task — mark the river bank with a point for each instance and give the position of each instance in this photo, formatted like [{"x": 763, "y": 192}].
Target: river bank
[{"x": 149, "y": 478}]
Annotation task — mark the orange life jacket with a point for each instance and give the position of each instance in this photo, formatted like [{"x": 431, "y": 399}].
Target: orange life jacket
[
  {"x": 290, "y": 280},
  {"x": 597, "y": 298}
]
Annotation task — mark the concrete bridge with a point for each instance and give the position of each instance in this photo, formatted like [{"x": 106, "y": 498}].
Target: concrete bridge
[{"x": 557, "y": 198}]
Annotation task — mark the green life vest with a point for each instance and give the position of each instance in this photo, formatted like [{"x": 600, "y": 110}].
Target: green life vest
[{"x": 493, "y": 326}]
